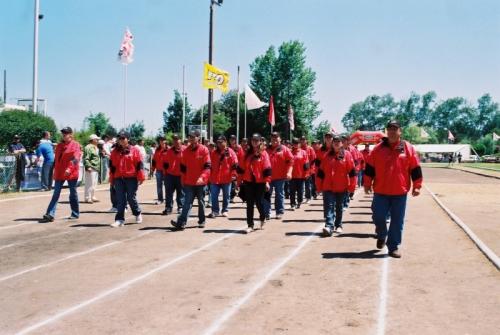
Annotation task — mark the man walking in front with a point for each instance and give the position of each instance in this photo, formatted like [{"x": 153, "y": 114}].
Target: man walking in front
[
  {"x": 195, "y": 168},
  {"x": 392, "y": 169}
]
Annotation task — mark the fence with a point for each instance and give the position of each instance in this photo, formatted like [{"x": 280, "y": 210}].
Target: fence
[{"x": 32, "y": 177}]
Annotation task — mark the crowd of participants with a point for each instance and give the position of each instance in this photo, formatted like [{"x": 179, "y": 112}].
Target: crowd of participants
[{"x": 261, "y": 172}]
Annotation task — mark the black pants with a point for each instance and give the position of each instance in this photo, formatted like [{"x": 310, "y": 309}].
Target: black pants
[
  {"x": 296, "y": 191},
  {"x": 254, "y": 193}
]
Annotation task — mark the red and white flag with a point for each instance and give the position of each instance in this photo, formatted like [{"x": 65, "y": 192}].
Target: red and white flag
[
  {"x": 450, "y": 136},
  {"x": 333, "y": 130},
  {"x": 270, "y": 117},
  {"x": 126, "y": 53},
  {"x": 291, "y": 121}
]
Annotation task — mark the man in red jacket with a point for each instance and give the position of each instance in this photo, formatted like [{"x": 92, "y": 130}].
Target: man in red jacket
[
  {"x": 66, "y": 168},
  {"x": 365, "y": 152},
  {"x": 171, "y": 165},
  {"x": 282, "y": 163},
  {"x": 126, "y": 173},
  {"x": 299, "y": 174},
  {"x": 224, "y": 164},
  {"x": 336, "y": 177},
  {"x": 391, "y": 169},
  {"x": 356, "y": 157},
  {"x": 156, "y": 168},
  {"x": 195, "y": 169},
  {"x": 311, "y": 157}
]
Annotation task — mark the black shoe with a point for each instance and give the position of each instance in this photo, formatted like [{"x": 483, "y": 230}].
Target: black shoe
[
  {"x": 268, "y": 217},
  {"x": 201, "y": 224},
  {"x": 176, "y": 225},
  {"x": 327, "y": 231},
  {"x": 47, "y": 218},
  {"x": 166, "y": 212},
  {"x": 395, "y": 253},
  {"x": 380, "y": 243}
]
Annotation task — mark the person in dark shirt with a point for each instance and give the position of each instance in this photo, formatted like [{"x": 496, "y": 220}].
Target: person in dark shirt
[{"x": 17, "y": 148}]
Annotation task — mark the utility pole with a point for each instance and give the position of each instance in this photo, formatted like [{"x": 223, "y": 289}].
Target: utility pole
[
  {"x": 183, "y": 104},
  {"x": 210, "y": 60},
  {"x": 4, "y": 86},
  {"x": 37, "y": 18},
  {"x": 238, "y": 110}
]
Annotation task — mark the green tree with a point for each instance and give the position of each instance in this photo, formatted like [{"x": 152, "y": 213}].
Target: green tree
[
  {"x": 26, "y": 124},
  {"x": 136, "y": 130},
  {"x": 321, "y": 129},
  {"x": 488, "y": 115},
  {"x": 372, "y": 114},
  {"x": 285, "y": 76},
  {"x": 172, "y": 116},
  {"x": 97, "y": 123}
]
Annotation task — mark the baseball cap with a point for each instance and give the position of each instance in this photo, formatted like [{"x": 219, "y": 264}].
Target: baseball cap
[
  {"x": 328, "y": 134},
  {"x": 194, "y": 133},
  {"x": 67, "y": 130},
  {"x": 221, "y": 138},
  {"x": 295, "y": 140},
  {"x": 275, "y": 134},
  {"x": 123, "y": 134},
  {"x": 94, "y": 137},
  {"x": 393, "y": 123},
  {"x": 17, "y": 136}
]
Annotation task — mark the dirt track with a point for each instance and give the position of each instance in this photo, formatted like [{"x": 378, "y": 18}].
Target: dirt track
[{"x": 81, "y": 277}]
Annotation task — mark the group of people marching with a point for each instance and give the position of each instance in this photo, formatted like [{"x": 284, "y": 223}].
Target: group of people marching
[{"x": 255, "y": 171}]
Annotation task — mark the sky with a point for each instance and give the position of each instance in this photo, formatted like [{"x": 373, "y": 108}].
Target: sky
[{"x": 356, "y": 47}]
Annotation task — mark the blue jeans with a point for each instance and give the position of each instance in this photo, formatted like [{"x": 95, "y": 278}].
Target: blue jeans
[
  {"x": 73, "y": 198},
  {"x": 277, "y": 185},
  {"x": 191, "y": 192},
  {"x": 297, "y": 191},
  {"x": 347, "y": 200},
  {"x": 126, "y": 191},
  {"x": 214, "y": 195},
  {"x": 360, "y": 178},
  {"x": 332, "y": 208},
  {"x": 46, "y": 178},
  {"x": 173, "y": 184},
  {"x": 395, "y": 205},
  {"x": 159, "y": 185}
]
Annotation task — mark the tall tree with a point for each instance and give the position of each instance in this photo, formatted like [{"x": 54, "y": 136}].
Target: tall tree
[
  {"x": 285, "y": 76},
  {"x": 97, "y": 123},
  {"x": 372, "y": 113},
  {"x": 172, "y": 116}
]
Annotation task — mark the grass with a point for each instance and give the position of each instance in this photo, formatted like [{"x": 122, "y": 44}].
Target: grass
[{"x": 484, "y": 166}]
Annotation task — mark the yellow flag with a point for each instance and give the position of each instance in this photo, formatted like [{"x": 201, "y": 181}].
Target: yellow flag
[{"x": 215, "y": 78}]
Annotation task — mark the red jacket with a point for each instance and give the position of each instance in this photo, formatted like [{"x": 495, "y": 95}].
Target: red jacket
[
  {"x": 356, "y": 157},
  {"x": 336, "y": 172},
  {"x": 392, "y": 168},
  {"x": 224, "y": 166},
  {"x": 126, "y": 163},
  {"x": 171, "y": 161},
  {"x": 365, "y": 153},
  {"x": 281, "y": 159},
  {"x": 311, "y": 157},
  {"x": 156, "y": 163},
  {"x": 240, "y": 153},
  {"x": 67, "y": 157},
  {"x": 195, "y": 163},
  {"x": 300, "y": 164},
  {"x": 255, "y": 168}
]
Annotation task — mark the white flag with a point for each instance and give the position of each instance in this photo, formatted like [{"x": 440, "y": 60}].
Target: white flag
[
  {"x": 495, "y": 137},
  {"x": 291, "y": 120},
  {"x": 423, "y": 133},
  {"x": 252, "y": 100},
  {"x": 126, "y": 53}
]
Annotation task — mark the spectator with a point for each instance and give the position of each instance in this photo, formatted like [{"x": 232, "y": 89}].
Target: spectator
[
  {"x": 142, "y": 150},
  {"x": 46, "y": 151},
  {"x": 92, "y": 164},
  {"x": 17, "y": 148}
]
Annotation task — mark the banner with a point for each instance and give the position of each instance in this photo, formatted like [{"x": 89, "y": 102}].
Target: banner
[
  {"x": 126, "y": 53},
  {"x": 252, "y": 100},
  {"x": 423, "y": 133},
  {"x": 450, "y": 136},
  {"x": 495, "y": 137},
  {"x": 270, "y": 117},
  {"x": 214, "y": 78}
]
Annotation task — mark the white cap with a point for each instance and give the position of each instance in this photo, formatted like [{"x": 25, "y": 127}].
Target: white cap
[{"x": 94, "y": 137}]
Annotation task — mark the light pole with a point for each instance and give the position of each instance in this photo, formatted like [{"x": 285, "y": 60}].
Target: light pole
[
  {"x": 210, "y": 51},
  {"x": 37, "y": 18}
]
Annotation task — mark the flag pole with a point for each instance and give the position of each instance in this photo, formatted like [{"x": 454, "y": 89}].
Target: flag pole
[
  {"x": 238, "y": 109},
  {"x": 245, "y": 118},
  {"x": 183, "y": 104},
  {"x": 125, "y": 95}
]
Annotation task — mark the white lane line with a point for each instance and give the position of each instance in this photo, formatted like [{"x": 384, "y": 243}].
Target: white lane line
[
  {"x": 490, "y": 254},
  {"x": 382, "y": 306},
  {"x": 86, "y": 252},
  {"x": 38, "y": 238},
  {"x": 217, "y": 324},
  {"x": 121, "y": 286},
  {"x": 14, "y": 226}
]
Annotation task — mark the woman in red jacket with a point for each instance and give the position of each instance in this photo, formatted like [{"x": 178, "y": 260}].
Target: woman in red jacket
[
  {"x": 126, "y": 173},
  {"x": 66, "y": 168},
  {"x": 255, "y": 171},
  {"x": 336, "y": 176},
  {"x": 299, "y": 174}
]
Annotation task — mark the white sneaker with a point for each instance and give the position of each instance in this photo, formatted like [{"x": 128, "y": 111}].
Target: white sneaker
[
  {"x": 224, "y": 214},
  {"x": 339, "y": 230},
  {"x": 112, "y": 210},
  {"x": 138, "y": 218},
  {"x": 248, "y": 230},
  {"x": 117, "y": 223}
]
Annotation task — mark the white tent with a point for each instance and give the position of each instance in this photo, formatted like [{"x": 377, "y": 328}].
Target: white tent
[{"x": 464, "y": 149}]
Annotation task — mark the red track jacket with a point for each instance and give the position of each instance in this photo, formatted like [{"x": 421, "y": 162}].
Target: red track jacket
[
  {"x": 392, "y": 169},
  {"x": 255, "y": 168},
  {"x": 336, "y": 172},
  {"x": 224, "y": 166},
  {"x": 281, "y": 159},
  {"x": 195, "y": 163},
  {"x": 126, "y": 163},
  {"x": 300, "y": 164},
  {"x": 67, "y": 157},
  {"x": 311, "y": 157},
  {"x": 171, "y": 161}
]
